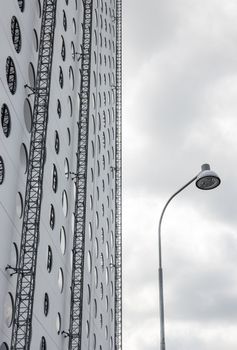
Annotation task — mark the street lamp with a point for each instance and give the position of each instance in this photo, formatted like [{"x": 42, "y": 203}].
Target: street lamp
[{"x": 205, "y": 180}]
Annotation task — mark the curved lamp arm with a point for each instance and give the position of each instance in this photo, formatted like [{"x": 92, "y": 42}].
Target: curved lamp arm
[
  {"x": 161, "y": 298},
  {"x": 163, "y": 211}
]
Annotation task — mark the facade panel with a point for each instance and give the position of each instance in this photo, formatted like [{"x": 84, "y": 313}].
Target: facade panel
[{"x": 21, "y": 25}]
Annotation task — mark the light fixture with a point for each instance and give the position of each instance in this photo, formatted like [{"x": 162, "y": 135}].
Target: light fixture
[{"x": 207, "y": 179}]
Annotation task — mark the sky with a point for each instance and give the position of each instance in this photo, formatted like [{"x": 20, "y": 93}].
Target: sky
[{"x": 179, "y": 111}]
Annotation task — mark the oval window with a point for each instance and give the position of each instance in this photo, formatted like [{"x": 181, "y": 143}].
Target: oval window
[
  {"x": 8, "y": 309},
  {"x": 21, "y": 4},
  {"x": 2, "y": 170},
  {"x": 11, "y": 75},
  {"x": 5, "y": 120},
  {"x": 60, "y": 280},
  {"x": 28, "y": 115},
  {"x": 58, "y": 323},
  {"x": 63, "y": 240},
  {"x": 49, "y": 259},
  {"x": 4, "y": 346},
  {"x": 46, "y": 304},
  {"x": 24, "y": 157}
]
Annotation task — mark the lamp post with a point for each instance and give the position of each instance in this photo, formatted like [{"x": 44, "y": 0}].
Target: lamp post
[{"x": 205, "y": 180}]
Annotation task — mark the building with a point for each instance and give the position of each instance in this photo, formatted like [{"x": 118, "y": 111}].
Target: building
[{"x": 60, "y": 175}]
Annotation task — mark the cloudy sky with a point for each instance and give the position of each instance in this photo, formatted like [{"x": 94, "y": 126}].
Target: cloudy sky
[{"x": 180, "y": 111}]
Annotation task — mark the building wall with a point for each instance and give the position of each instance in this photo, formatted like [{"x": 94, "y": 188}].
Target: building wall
[
  {"x": 14, "y": 145},
  {"x": 99, "y": 279},
  {"x": 52, "y": 292}
]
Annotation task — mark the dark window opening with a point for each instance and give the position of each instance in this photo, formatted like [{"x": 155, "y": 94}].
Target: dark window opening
[
  {"x": 21, "y": 4},
  {"x": 64, "y": 21},
  {"x": 16, "y": 34},
  {"x": 46, "y": 304},
  {"x": 55, "y": 179},
  {"x": 63, "y": 50},
  {"x": 52, "y": 217},
  {"x": 11, "y": 75},
  {"x": 56, "y": 142},
  {"x": 49, "y": 259},
  {"x": 59, "y": 109},
  {"x": 43, "y": 344},
  {"x": 5, "y": 120},
  {"x": 61, "y": 77},
  {"x": 2, "y": 170}
]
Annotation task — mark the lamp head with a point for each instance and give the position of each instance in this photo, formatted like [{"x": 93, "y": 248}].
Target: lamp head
[{"x": 207, "y": 179}]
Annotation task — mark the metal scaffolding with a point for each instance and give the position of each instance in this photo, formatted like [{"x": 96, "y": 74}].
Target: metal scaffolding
[
  {"x": 118, "y": 181},
  {"x": 75, "y": 326},
  {"x": 26, "y": 268}
]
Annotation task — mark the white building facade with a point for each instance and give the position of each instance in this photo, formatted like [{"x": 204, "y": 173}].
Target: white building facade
[{"x": 60, "y": 252}]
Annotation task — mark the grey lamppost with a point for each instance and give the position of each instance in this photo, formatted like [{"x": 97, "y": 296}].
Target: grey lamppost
[{"x": 205, "y": 180}]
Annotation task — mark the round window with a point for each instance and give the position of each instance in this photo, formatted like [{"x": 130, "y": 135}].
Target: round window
[
  {"x": 64, "y": 21},
  {"x": 21, "y": 4},
  {"x": 19, "y": 205},
  {"x": 65, "y": 203},
  {"x": 60, "y": 280},
  {"x": 87, "y": 329},
  {"x": 66, "y": 168},
  {"x": 106, "y": 332},
  {"x": 2, "y": 170},
  {"x": 24, "y": 157},
  {"x": 5, "y": 120},
  {"x": 4, "y": 346},
  {"x": 31, "y": 74},
  {"x": 49, "y": 259},
  {"x": 28, "y": 115},
  {"x": 63, "y": 240},
  {"x": 70, "y": 106},
  {"x": 61, "y": 77},
  {"x": 89, "y": 261},
  {"x": 11, "y": 75},
  {"x": 96, "y": 247},
  {"x": 96, "y": 276},
  {"x": 90, "y": 231},
  {"x": 52, "y": 217},
  {"x": 43, "y": 344},
  {"x": 95, "y": 308},
  {"x": 8, "y": 309},
  {"x": 56, "y": 142},
  {"x": 46, "y": 304},
  {"x": 55, "y": 179},
  {"x": 58, "y": 323},
  {"x": 14, "y": 255},
  {"x": 36, "y": 41},
  {"x": 94, "y": 341},
  {"x": 63, "y": 49},
  {"x": 101, "y": 290},
  {"x": 88, "y": 294},
  {"x": 71, "y": 77},
  {"x": 59, "y": 109},
  {"x": 73, "y": 50},
  {"x": 68, "y": 136},
  {"x": 16, "y": 34}
]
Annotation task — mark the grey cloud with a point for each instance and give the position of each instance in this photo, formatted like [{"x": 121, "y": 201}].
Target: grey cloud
[
  {"x": 180, "y": 88},
  {"x": 203, "y": 297},
  {"x": 172, "y": 103}
]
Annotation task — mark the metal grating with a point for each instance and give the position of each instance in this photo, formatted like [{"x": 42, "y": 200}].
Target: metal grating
[
  {"x": 75, "y": 326},
  {"x": 26, "y": 269},
  {"x": 118, "y": 181}
]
